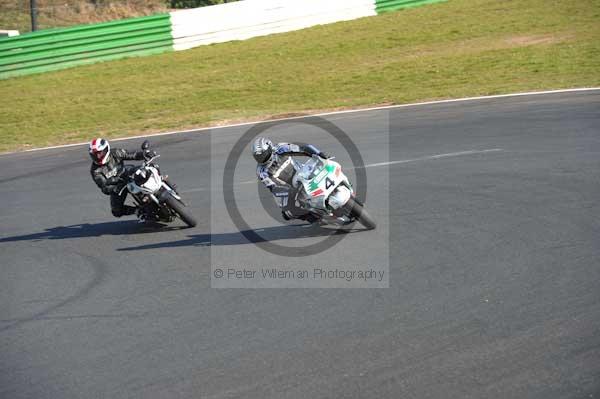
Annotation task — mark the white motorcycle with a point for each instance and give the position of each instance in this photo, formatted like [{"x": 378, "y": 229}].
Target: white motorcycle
[
  {"x": 326, "y": 192},
  {"x": 156, "y": 200}
]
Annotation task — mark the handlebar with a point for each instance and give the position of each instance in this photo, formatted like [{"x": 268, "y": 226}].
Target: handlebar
[{"x": 149, "y": 161}]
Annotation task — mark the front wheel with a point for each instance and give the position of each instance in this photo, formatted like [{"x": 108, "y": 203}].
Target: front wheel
[
  {"x": 358, "y": 211},
  {"x": 180, "y": 210}
]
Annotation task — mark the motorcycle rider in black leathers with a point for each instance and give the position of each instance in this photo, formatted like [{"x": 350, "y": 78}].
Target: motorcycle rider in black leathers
[
  {"x": 110, "y": 173},
  {"x": 275, "y": 171}
]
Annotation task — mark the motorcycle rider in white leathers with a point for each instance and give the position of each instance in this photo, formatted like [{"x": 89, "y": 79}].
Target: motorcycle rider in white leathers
[{"x": 275, "y": 170}]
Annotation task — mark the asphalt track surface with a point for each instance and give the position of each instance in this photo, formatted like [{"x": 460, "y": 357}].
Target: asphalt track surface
[{"x": 494, "y": 263}]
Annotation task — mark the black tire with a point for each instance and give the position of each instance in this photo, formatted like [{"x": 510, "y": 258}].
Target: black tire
[
  {"x": 358, "y": 211},
  {"x": 180, "y": 210}
]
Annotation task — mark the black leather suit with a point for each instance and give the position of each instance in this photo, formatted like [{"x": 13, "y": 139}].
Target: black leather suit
[{"x": 110, "y": 178}]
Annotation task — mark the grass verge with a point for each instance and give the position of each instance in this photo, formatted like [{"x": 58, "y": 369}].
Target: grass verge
[
  {"x": 15, "y": 14},
  {"x": 454, "y": 49}
]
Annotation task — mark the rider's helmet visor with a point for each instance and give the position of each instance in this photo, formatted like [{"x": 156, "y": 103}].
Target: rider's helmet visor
[{"x": 99, "y": 156}]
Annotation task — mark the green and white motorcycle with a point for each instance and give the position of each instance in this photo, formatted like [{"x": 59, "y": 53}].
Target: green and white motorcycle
[{"x": 325, "y": 191}]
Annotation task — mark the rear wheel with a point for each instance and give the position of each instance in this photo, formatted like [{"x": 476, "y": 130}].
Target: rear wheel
[
  {"x": 180, "y": 210},
  {"x": 358, "y": 211}
]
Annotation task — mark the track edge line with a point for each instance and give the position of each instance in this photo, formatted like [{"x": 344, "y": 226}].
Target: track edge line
[{"x": 204, "y": 129}]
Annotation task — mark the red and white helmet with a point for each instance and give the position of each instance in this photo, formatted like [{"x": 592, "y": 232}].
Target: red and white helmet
[{"x": 99, "y": 151}]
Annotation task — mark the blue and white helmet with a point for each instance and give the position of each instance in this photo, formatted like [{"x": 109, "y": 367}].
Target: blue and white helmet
[{"x": 262, "y": 150}]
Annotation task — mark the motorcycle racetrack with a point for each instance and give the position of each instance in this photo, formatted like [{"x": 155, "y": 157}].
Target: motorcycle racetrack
[{"x": 488, "y": 220}]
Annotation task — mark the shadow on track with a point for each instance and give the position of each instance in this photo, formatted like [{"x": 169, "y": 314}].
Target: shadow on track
[
  {"x": 121, "y": 227},
  {"x": 287, "y": 232}
]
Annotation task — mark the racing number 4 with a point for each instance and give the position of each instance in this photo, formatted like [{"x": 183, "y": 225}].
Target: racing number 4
[{"x": 328, "y": 183}]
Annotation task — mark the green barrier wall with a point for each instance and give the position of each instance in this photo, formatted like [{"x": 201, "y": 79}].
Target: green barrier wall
[
  {"x": 61, "y": 48},
  {"x": 382, "y": 6},
  {"x": 53, "y": 49}
]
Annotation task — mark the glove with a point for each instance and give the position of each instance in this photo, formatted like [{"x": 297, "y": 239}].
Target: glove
[
  {"x": 324, "y": 155},
  {"x": 149, "y": 154}
]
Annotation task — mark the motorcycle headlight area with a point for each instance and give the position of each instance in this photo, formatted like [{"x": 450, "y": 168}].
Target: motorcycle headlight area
[{"x": 141, "y": 176}]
